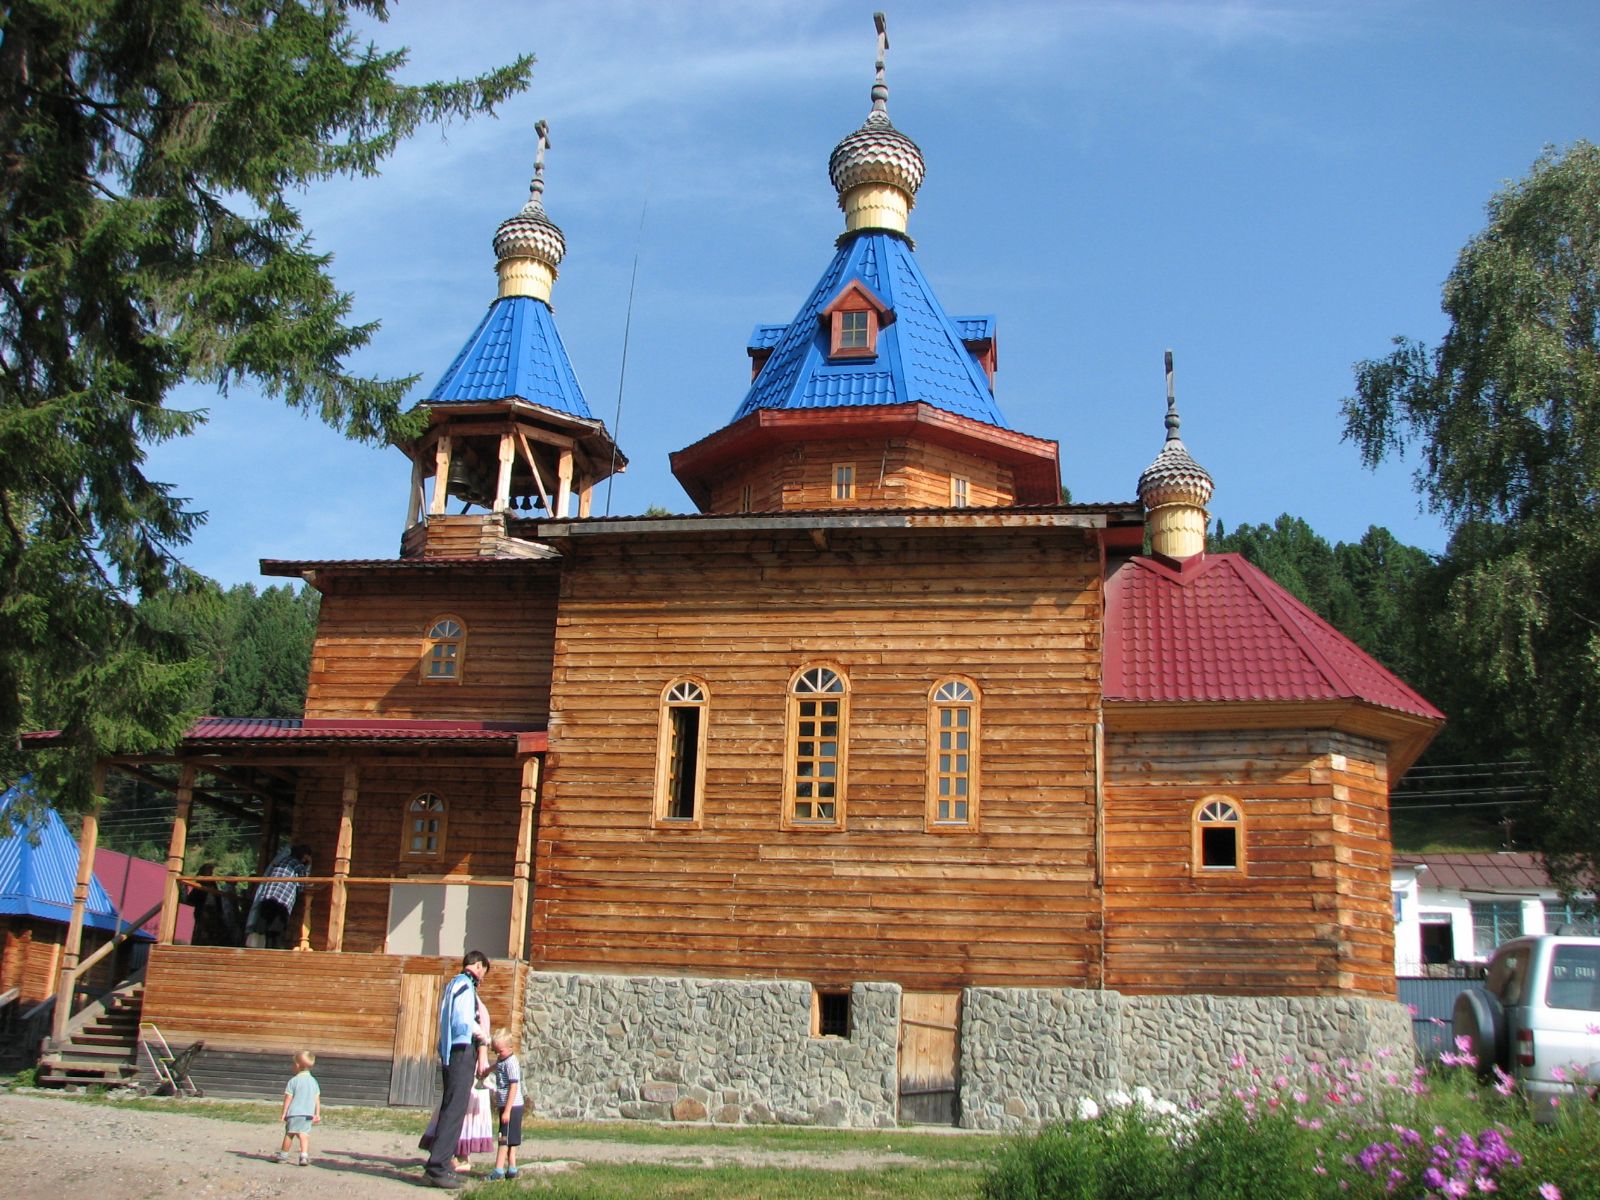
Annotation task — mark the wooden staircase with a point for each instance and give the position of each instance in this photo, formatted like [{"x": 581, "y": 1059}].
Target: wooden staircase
[{"x": 104, "y": 1049}]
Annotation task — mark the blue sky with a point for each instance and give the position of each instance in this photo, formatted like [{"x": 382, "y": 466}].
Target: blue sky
[{"x": 1273, "y": 190}]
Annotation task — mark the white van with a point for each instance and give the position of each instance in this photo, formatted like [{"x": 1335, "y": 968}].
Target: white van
[{"x": 1537, "y": 1017}]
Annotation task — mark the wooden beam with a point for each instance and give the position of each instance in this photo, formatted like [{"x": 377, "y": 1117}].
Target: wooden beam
[
  {"x": 341, "y": 857},
  {"x": 88, "y": 839},
  {"x": 175, "y": 851},
  {"x": 564, "y": 484},
  {"x": 414, "y": 505},
  {"x": 502, "y": 482},
  {"x": 521, "y": 868},
  {"x": 218, "y": 802},
  {"x": 585, "y": 497},
  {"x": 441, "y": 477},
  {"x": 538, "y": 479}
]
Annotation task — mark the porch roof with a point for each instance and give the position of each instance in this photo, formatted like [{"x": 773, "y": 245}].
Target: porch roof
[{"x": 209, "y": 733}]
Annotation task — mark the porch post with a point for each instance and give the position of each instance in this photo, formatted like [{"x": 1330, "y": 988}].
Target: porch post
[
  {"x": 341, "y": 858},
  {"x": 66, "y": 981},
  {"x": 269, "y": 819},
  {"x": 175, "y": 851},
  {"x": 520, "y": 871}
]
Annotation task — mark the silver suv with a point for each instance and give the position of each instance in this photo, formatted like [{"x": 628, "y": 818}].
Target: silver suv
[{"x": 1537, "y": 1017}]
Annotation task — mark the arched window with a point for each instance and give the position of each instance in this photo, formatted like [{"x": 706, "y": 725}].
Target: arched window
[
  {"x": 444, "y": 651},
  {"x": 814, "y": 768},
  {"x": 953, "y": 755},
  {"x": 681, "y": 754},
  {"x": 1218, "y": 835},
  {"x": 426, "y": 817}
]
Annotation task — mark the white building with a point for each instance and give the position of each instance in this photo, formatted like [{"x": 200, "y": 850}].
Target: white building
[{"x": 1454, "y": 909}]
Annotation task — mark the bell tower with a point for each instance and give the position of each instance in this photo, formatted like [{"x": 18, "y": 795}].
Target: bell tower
[{"x": 509, "y": 430}]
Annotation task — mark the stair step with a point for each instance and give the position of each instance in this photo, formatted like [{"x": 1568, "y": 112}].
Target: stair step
[
  {"x": 77, "y": 1050},
  {"x": 89, "y": 1038}
]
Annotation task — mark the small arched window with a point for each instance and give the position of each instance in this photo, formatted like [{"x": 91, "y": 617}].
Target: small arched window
[
  {"x": 426, "y": 817},
  {"x": 444, "y": 651},
  {"x": 953, "y": 755},
  {"x": 1218, "y": 835},
  {"x": 814, "y": 768},
  {"x": 681, "y": 755}
]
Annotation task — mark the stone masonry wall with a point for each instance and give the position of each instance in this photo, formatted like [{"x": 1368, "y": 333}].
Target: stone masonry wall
[
  {"x": 1029, "y": 1054},
  {"x": 729, "y": 1051}
]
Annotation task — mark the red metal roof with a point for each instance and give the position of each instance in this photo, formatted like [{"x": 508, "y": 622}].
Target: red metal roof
[
  {"x": 1215, "y": 628},
  {"x": 1509, "y": 870},
  {"x": 234, "y": 730}
]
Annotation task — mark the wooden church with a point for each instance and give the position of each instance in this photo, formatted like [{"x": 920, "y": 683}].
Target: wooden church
[{"x": 881, "y": 737}]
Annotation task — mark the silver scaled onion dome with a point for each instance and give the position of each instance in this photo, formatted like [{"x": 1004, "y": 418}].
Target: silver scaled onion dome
[
  {"x": 1174, "y": 476},
  {"x": 532, "y": 234},
  {"x": 877, "y": 152}
]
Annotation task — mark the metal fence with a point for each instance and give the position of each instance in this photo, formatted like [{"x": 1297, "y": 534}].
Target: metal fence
[{"x": 1431, "y": 1002}]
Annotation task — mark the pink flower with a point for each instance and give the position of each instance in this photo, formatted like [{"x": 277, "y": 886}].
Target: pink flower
[
  {"x": 1484, "y": 1184},
  {"x": 1559, "y": 1074},
  {"x": 1237, "y": 1061},
  {"x": 1549, "y": 1191},
  {"x": 1591, "y": 1028},
  {"x": 1504, "y": 1084}
]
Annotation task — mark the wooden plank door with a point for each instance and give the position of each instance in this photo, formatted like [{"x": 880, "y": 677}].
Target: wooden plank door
[
  {"x": 414, "y": 1076},
  {"x": 930, "y": 1034}
]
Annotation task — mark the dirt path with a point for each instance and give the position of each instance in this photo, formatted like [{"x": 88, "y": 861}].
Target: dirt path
[{"x": 66, "y": 1150}]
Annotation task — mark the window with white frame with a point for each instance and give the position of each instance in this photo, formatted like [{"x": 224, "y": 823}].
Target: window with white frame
[{"x": 814, "y": 770}]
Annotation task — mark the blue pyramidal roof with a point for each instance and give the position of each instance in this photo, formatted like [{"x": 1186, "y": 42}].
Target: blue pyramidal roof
[
  {"x": 516, "y": 351},
  {"x": 38, "y": 880},
  {"x": 920, "y": 355}
]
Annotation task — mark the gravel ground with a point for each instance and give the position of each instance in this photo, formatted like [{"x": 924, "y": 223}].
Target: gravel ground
[{"x": 53, "y": 1149}]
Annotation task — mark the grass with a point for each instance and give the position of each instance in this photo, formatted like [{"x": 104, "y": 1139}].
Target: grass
[
  {"x": 640, "y": 1182},
  {"x": 936, "y": 1149}
]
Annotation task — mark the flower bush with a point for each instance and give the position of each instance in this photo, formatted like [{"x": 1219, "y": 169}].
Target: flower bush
[{"x": 1347, "y": 1130}]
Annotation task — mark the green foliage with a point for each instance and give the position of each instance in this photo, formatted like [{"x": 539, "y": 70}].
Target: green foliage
[
  {"x": 1126, "y": 1155},
  {"x": 1506, "y": 414},
  {"x": 1375, "y": 591},
  {"x": 148, "y": 153}
]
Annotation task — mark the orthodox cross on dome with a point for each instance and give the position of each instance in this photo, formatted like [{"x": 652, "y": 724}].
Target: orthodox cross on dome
[
  {"x": 536, "y": 187},
  {"x": 1172, "y": 404},
  {"x": 880, "y": 88}
]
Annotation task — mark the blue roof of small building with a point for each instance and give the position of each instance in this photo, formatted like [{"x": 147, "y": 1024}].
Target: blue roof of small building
[
  {"x": 975, "y": 329},
  {"x": 766, "y": 337},
  {"x": 39, "y": 869},
  {"x": 516, "y": 351},
  {"x": 920, "y": 356}
]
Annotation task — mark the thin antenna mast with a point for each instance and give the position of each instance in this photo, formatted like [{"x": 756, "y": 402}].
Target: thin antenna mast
[{"x": 627, "y": 328}]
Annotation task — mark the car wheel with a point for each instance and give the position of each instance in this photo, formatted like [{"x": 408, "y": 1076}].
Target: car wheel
[{"x": 1479, "y": 1017}]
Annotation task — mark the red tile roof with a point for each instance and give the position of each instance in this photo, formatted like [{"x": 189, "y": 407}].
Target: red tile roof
[
  {"x": 1215, "y": 628},
  {"x": 1510, "y": 870},
  {"x": 233, "y": 731},
  {"x": 249, "y": 729}
]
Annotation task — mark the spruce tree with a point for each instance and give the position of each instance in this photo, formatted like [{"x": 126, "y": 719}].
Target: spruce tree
[{"x": 149, "y": 151}]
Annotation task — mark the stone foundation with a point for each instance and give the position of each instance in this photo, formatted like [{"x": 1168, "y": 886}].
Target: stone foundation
[
  {"x": 1029, "y": 1054},
  {"x": 741, "y": 1051},
  {"x": 729, "y": 1051}
]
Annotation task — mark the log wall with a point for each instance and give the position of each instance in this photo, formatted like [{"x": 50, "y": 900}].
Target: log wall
[
  {"x": 480, "y": 834},
  {"x": 1309, "y": 913},
  {"x": 371, "y": 634},
  {"x": 1012, "y": 904},
  {"x": 898, "y": 473},
  {"x": 283, "y": 1000}
]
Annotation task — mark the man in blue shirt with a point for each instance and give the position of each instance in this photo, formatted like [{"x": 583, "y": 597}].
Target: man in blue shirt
[{"x": 463, "y": 1051}]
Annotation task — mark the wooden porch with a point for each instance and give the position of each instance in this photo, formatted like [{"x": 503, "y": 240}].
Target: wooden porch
[{"x": 372, "y": 1019}]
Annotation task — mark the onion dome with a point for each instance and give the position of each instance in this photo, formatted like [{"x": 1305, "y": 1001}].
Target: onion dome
[
  {"x": 1175, "y": 491},
  {"x": 530, "y": 246},
  {"x": 877, "y": 169}
]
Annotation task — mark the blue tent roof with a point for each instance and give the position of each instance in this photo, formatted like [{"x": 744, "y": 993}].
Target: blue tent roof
[
  {"x": 920, "y": 355},
  {"x": 37, "y": 880},
  {"x": 516, "y": 351}
]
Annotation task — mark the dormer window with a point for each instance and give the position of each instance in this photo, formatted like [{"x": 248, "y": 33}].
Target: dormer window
[{"x": 854, "y": 319}]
